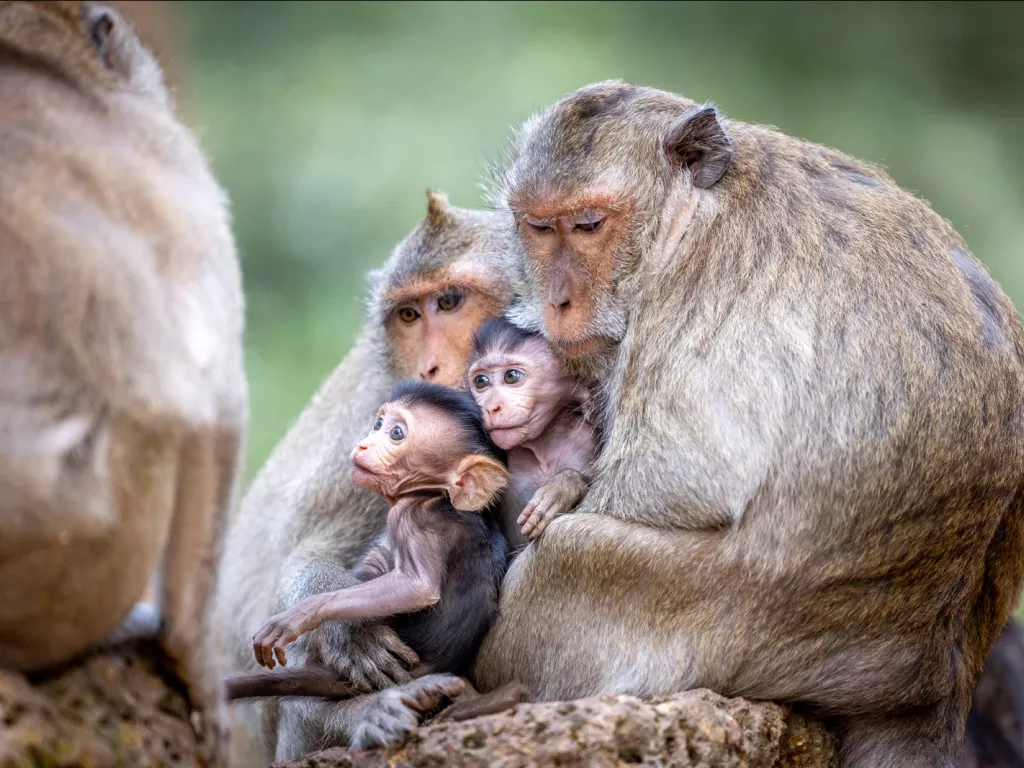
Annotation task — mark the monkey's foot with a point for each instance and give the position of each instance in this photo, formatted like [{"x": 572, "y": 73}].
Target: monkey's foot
[{"x": 396, "y": 712}]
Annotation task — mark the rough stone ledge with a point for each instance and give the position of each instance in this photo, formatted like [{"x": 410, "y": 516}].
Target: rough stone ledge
[
  {"x": 697, "y": 728},
  {"x": 111, "y": 709}
]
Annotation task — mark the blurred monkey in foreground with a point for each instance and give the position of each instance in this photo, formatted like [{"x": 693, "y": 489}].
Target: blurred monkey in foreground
[{"x": 123, "y": 400}]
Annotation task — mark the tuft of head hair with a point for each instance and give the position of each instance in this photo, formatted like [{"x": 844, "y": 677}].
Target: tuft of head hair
[
  {"x": 500, "y": 335},
  {"x": 457, "y": 404}
]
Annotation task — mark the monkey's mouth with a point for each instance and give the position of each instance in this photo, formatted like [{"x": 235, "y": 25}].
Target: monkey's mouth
[
  {"x": 507, "y": 437},
  {"x": 582, "y": 348},
  {"x": 363, "y": 476}
]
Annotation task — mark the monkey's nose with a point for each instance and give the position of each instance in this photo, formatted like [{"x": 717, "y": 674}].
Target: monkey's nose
[
  {"x": 429, "y": 374},
  {"x": 361, "y": 447},
  {"x": 560, "y": 301},
  {"x": 494, "y": 408}
]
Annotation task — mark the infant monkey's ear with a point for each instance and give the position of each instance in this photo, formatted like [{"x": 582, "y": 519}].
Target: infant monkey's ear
[{"x": 475, "y": 482}]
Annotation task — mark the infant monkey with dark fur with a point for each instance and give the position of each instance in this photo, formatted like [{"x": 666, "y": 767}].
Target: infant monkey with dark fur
[
  {"x": 533, "y": 409},
  {"x": 435, "y": 571}
]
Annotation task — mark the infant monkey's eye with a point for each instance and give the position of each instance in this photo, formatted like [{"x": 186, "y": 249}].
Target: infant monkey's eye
[
  {"x": 513, "y": 376},
  {"x": 408, "y": 315},
  {"x": 480, "y": 381},
  {"x": 449, "y": 300},
  {"x": 397, "y": 434},
  {"x": 378, "y": 424}
]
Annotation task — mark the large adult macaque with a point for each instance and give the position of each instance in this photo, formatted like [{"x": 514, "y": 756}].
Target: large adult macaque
[
  {"x": 812, "y": 486},
  {"x": 123, "y": 400},
  {"x": 304, "y": 524}
]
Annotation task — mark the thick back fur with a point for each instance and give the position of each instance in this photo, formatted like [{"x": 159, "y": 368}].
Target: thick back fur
[
  {"x": 835, "y": 383},
  {"x": 303, "y": 523}
]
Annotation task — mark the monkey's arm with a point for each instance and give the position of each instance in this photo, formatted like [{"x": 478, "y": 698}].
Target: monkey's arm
[
  {"x": 556, "y": 497},
  {"x": 414, "y": 584}
]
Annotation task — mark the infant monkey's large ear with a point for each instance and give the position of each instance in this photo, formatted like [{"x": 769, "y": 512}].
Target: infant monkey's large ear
[{"x": 475, "y": 482}]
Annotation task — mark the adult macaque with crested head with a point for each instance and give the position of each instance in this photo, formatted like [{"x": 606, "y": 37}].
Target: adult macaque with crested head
[
  {"x": 123, "y": 400},
  {"x": 303, "y": 525},
  {"x": 532, "y": 409},
  {"x": 811, "y": 482}
]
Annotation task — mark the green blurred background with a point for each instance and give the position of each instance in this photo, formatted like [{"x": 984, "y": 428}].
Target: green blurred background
[{"x": 328, "y": 121}]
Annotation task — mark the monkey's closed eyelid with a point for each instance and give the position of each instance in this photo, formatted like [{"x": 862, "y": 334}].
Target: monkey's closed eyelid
[{"x": 541, "y": 225}]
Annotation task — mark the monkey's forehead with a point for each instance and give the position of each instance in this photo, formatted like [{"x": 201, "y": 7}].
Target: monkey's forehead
[
  {"x": 579, "y": 138},
  {"x": 481, "y": 269}
]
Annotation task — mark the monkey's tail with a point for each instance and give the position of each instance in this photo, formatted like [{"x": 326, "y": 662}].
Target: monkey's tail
[{"x": 311, "y": 680}]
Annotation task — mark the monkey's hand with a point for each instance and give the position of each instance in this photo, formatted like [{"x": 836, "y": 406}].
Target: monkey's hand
[
  {"x": 285, "y": 628},
  {"x": 556, "y": 497},
  {"x": 369, "y": 654}
]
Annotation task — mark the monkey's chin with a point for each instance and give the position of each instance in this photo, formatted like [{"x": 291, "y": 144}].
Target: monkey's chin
[
  {"x": 364, "y": 478},
  {"x": 507, "y": 438},
  {"x": 585, "y": 348}
]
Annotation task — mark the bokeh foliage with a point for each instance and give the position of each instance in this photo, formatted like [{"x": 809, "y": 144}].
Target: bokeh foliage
[{"x": 328, "y": 121}]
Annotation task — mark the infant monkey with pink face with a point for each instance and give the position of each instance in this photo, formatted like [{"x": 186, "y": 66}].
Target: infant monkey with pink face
[{"x": 533, "y": 410}]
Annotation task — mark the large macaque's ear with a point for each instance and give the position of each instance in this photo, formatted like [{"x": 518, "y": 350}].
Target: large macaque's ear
[
  {"x": 475, "y": 483},
  {"x": 697, "y": 141}
]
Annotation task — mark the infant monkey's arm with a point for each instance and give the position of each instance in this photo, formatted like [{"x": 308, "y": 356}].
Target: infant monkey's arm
[
  {"x": 556, "y": 497},
  {"x": 413, "y": 584}
]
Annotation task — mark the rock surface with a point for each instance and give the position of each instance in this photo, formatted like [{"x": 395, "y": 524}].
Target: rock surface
[
  {"x": 111, "y": 709},
  {"x": 698, "y": 728},
  {"x": 120, "y": 708}
]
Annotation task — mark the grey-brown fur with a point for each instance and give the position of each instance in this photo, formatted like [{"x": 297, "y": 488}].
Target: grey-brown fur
[
  {"x": 812, "y": 485},
  {"x": 123, "y": 401},
  {"x": 303, "y": 523}
]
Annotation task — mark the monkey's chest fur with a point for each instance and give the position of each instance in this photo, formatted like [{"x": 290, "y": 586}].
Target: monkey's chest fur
[{"x": 447, "y": 635}]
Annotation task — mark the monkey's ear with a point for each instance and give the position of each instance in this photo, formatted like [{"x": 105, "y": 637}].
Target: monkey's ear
[
  {"x": 476, "y": 482},
  {"x": 100, "y": 22},
  {"x": 697, "y": 141}
]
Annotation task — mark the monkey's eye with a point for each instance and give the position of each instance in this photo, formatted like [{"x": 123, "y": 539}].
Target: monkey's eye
[
  {"x": 396, "y": 434},
  {"x": 539, "y": 225},
  {"x": 513, "y": 376},
  {"x": 408, "y": 315},
  {"x": 449, "y": 300},
  {"x": 378, "y": 424},
  {"x": 589, "y": 224},
  {"x": 480, "y": 381}
]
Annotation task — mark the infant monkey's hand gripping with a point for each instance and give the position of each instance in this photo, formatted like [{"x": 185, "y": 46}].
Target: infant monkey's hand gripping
[
  {"x": 429, "y": 455},
  {"x": 532, "y": 409}
]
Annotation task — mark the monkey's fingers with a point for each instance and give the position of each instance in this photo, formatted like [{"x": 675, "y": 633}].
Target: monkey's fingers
[
  {"x": 279, "y": 652},
  {"x": 258, "y": 642},
  {"x": 426, "y": 693},
  {"x": 390, "y": 667},
  {"x": 392, "y": 644},
  {"x": 373, "y": 670},
  {"x": 527, "y": 513},
  {"x": 355, "y": 676}
]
